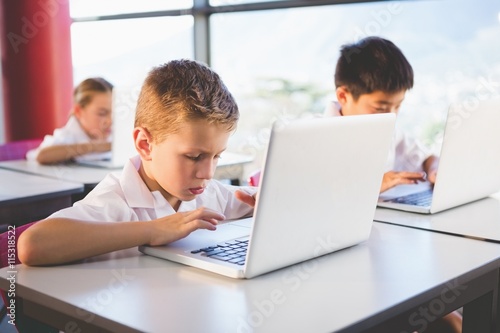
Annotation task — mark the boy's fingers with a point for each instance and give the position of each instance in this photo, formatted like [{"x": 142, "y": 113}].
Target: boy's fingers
[
  {"x": 205, "y": 214},
  {"x": 412, "y": 175},
  {"x": 245, "y": 197},
  {"x": 204, "y": 224}
]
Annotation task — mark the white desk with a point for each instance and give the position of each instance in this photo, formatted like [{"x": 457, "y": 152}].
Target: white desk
[
  {"x": 26, "y": 197},
  {"x": 68, "y": 172},
  {"x": 379, "y": 286},
  {"x": 479, "y": 219}
]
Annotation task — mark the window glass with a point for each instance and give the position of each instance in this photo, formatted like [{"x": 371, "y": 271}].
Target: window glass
[
  {"x": 89, "y": 8},
  {"x": 280, "y": 63},
  {"x": 123, "y": 51},
  {"x": 236, "y": 2}
]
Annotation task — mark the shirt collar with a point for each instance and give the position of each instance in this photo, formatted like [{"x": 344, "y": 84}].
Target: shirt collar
[
  {"x": 135, "y": 190},
  {"x": 336, "y": 109},
  {"x": 138, "y": 195}
]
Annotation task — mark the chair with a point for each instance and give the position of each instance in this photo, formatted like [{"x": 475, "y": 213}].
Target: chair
[
  {"x": 254, "y": 178},
  {"x": 23, "y": 324},
  {"x": 17, "y": 150}
]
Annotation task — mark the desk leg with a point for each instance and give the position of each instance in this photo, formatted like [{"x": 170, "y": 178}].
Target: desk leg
[
  {"x": 27, "y": 324},
  {"x": 67, "y": 323},
  {"x": 22, "y": 213},
  {"x": 478, "y": 297},
  {"x": 478, "y": 315}
]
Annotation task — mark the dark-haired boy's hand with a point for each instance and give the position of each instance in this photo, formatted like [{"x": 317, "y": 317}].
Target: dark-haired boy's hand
[
  {"x": 394, "y": 178},
  {"x": 245, "y": 197},
  {"x": 431, "y": 176}
]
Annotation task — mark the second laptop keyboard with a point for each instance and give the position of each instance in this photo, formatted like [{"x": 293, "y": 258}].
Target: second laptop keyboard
[
  {"x": 423, "y": 199},
  {"x": 233, "y": 251}
]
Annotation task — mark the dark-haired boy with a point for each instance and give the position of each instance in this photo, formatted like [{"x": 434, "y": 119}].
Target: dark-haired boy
[{"x": 372, "y": 76}]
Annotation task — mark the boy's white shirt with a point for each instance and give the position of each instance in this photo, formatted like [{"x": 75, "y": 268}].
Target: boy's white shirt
[
  {"x": 71, "y": 133},
  {"x": 406, "y": 154},
  {"x": 125, "y": 197}
]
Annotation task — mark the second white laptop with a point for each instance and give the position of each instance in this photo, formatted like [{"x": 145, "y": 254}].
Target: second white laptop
[
  {"x": 469, "y": 165},
  {"x": 319, "y": 188},
  {"x": 122, "y": 145}
]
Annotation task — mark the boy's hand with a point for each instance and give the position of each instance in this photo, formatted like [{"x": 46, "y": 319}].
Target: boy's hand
[
  {"x": 393, "y": 178},
  {"x": 431, "y": 176},
  {"x": 174, "y": 227},
  {"x": 246, "y": 198},
  {"x": 430, "y": 166}
]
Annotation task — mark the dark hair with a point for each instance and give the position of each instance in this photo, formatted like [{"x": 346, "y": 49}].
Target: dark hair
[
  {"x": 373, "y": 64},
  {"x": 85, "y": 91},
  {"x": 180, "y": 91}
]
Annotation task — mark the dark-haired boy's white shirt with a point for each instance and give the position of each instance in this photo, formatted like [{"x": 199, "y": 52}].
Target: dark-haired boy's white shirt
[
  {"x": 406, "y": 153},
  {"x": 71, "y": 133},
  {"x": 125, "y": 197}
]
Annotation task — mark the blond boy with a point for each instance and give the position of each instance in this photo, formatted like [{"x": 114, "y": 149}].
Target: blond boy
[{"x": 184, "y": 118}]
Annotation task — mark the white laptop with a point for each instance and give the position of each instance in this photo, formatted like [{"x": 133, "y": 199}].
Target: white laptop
[
  {"x": 122, "y": 145},
  {"x": 469, "y": 166},
  {"x": 318, "y": 193}
]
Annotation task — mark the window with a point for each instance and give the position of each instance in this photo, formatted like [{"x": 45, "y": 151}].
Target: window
[
  {"x": 281, "y": 62},
  {"x": 236, "y": 2},
  {"x": 95, "y": 8},
  {"x": 123, "y": 51}
]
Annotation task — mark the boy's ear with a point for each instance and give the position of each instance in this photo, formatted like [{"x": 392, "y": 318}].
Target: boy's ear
[
  {"x": 143, "y": 143},
  {"x": 342, "y": 94}
]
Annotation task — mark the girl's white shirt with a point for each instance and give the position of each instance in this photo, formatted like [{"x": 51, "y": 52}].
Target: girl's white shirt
[{"x": 71, "y": 133}]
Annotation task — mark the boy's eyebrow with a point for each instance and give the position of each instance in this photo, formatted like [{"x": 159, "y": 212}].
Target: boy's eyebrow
[
  {"x": 384, "y": 102},
  {"x": 204, "y": 151}
]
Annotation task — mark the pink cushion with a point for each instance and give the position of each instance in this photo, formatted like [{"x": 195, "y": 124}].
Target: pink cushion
[{"x": 17, "y": 150}]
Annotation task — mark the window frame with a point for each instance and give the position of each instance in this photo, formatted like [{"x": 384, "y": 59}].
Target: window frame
[{"x": 202, "y": 10}]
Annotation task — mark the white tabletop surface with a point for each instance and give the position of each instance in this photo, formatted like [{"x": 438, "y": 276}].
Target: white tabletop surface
[
  {"x": 67, "y": 172},
  {"x": 323, "y": 295},
  {"x": 17, "y": 186},
  {"x": 479, "y": 219}
]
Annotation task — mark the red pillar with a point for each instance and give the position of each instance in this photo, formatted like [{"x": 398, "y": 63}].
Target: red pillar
[{"x": 36, "y": 66}]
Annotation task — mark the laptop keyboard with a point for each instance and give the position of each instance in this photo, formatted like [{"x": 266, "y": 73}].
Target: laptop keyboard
[
  {"x": 423, "y": 199},
  {"x": 233, "y": 251}
]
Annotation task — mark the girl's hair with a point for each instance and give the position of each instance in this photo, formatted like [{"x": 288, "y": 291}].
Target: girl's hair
[
  {"x": 373, "y": 64},
  {"x": 85, "y": 91},
  {"x": 181, "y": 91}
]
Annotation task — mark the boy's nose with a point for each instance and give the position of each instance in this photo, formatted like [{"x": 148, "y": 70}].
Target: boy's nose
[{"x": 206, "y": 170}]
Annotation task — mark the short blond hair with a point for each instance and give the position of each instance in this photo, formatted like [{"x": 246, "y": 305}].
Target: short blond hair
[{"x": 181, "y": 91}]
